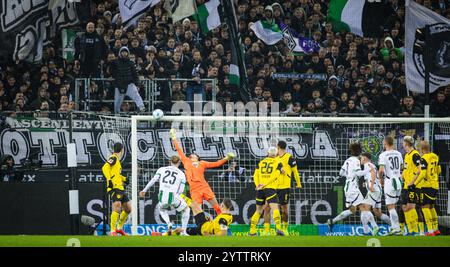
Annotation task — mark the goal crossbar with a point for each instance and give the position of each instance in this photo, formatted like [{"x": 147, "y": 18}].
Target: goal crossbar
[{"x": 296, "y": 119}]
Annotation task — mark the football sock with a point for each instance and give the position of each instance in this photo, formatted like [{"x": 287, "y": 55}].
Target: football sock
[
  {"x": 185, "y": 198},
  {"x": 420, "y": 220},
  {"x": 411, "y": 221},
  {"x": 435, "y": 218},
  {"x": 371, "y": 219},
  {"x": 385, "y": 218},
  {"x": 165, "y": 215},
  {"x": 421, "y": 227},
  {"x": 428, "y": 219},
  {"x": 342, "y": 216},
  {"x": 401, "y": 217},
  {"x": 365, "y": 221},
  {"x": 277, "y": 218},
  {"x": 284, "y": 226},
  {"x": 114, "y": 219},
  {"x": 122, "y": 219},
  {"x": 185, "y": 218},
  {"x": 266, "y": 227},
  {"x": 217, "y": 209},
  {"x": 254, "y": 221},
  {"x": 394, "y": 219}
]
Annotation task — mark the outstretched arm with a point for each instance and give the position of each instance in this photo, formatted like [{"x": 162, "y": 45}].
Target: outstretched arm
[
  {"x": 177, "y": 146},
  {"x": 215, "y": 164},
  {"x": 151, "y": 183},
  {"x": 209, "y": 165}
]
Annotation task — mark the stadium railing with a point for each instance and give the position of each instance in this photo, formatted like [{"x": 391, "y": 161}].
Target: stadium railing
[{"x": 154, "y": 90}]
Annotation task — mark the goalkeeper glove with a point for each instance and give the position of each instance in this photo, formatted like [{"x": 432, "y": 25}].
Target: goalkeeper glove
[
  {"x": 230, "y": 155},
  {"x": 173, "y": 134}
]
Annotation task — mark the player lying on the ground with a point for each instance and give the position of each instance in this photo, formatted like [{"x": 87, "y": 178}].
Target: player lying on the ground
[
  {"x": 171, "y": 184},
  {"x": 353, "y": 196},
  {"x": 266, "y": 181},
  {"x": 195, "y": 174},
  {"x": 283, "y": 189},
  {"x": 115, "y": 187},
  {"x": 205, "y": 226},
  {"x": 429, "y": 179},
  {"x": 373, "y": 197}
]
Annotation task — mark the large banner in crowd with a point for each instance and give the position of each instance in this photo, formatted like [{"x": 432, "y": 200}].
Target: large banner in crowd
[{"x": 26, "y": 26}]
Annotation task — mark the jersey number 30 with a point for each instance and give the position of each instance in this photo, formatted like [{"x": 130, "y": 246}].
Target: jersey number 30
[{"x": 395, "y": 164}]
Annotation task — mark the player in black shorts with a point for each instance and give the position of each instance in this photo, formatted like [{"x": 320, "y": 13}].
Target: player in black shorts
[{"x": 266, "y": 182}]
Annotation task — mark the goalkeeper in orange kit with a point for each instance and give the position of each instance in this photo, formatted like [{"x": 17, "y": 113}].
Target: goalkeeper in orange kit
[{"x": 195, "y": 174}]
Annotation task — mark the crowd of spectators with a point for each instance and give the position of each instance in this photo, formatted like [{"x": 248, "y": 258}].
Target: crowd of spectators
[{"x": 364, "y": 75}]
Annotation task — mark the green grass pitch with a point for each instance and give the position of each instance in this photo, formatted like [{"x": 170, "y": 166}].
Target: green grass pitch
[{"x": 229, "y": 241}]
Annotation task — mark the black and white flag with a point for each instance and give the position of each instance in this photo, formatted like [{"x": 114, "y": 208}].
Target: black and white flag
[
  {"x": 421, "y": 18},
  {"x": 131, "y": 10},
  {"x": 62, "y": 14},
  {"x": 180, "y": 9},
  {"x": 27, "y": 26}
]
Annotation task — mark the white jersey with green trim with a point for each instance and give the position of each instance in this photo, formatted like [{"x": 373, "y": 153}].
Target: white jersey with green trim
[
  {"x": 348, "y": 170},
  {"x": 366, "y": 174},
  {"x": 170, "y": 178},
  {"x": 392, "y": 161}
]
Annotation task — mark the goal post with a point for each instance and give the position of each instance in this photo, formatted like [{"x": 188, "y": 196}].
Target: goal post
[{"x": 318, "y": 143}]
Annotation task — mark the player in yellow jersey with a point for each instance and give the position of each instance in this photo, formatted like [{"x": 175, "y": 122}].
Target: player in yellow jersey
[
  {"x": 115, "y": 187},
  {"x": 410, "y": 196},
  {"x": 266, "y": 181},
  {"x": 284, "y": 186},
  {"x": 428, "y": 181},
  {"x": 205, "y": 226}
]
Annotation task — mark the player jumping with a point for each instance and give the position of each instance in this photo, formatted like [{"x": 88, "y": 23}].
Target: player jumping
[
  {"x": 112, "y": 172},
  {"x": 171, "y": 185},
  {"x": 429, "y": 179},
  {"x": 353, "y": 196},
  {"x": 195, "y": 174},
  {"x": 266, "y": 182},
  {"x": 390, "y": 168}
]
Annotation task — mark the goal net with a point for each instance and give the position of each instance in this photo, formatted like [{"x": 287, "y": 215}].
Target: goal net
[{"x": 320, "y": 146}]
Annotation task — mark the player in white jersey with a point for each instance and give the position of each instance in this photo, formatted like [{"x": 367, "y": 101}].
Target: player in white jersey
[
  {"x": 390, "y": 170},
  {"x": 353, "y": 196},
  {"x": 373, "y": 197},
  {"x": 171, "y": 184},
  {"x": 373, "y": 186}
]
